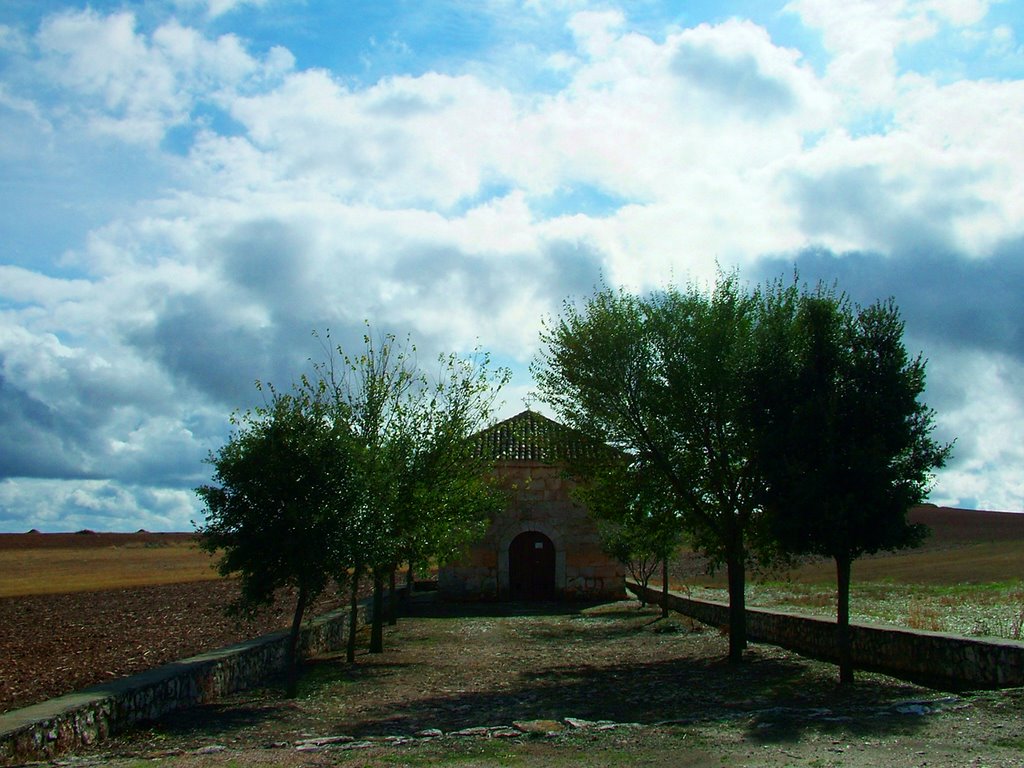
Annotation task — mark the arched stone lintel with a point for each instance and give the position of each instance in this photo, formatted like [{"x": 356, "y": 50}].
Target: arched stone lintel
[{"x": 522, "y": 526}]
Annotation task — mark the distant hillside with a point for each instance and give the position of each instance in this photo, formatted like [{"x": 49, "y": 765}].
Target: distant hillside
[
  {"x": 966, "y": 546},
  {"x": 90, "y": 540},
  {"x": 952, "y": 527}
]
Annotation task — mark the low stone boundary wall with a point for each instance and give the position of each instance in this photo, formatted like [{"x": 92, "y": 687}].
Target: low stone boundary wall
[
  {"x": 90, "y": 715},
  {"x": 932, "y": 658}
]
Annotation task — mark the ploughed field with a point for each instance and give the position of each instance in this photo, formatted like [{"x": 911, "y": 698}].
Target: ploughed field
[{"x": 78, "y": 609}]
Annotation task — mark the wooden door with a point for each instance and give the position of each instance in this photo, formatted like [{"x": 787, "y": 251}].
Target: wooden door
[{"x": 531, "y": 567}]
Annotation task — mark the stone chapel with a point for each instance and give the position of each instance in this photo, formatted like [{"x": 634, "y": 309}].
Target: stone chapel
[{"x": 544, "y": 546}]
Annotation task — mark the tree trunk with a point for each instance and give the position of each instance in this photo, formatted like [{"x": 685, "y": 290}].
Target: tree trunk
[
  {"x": 392, "y": 598},
  {"x": 293, "y": 643},
  {"x": 410, "y": 581},
  {"x": 377, "y": 627},
  {"x": 843, "y": 567},
  {"x": 353, "y": 618},
  {"x": 664, "y": 588},
  {"x": 735, "y": 568}
]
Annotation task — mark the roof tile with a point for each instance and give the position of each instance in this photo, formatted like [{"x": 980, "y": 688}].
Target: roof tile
[{"x": 529, "y": 436}]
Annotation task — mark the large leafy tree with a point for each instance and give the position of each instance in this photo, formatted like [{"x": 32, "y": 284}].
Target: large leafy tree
[
  {"x": 284, "y": 503},
  {"x": 844, "y": 441},
  {"x": 663, "y": 379}
]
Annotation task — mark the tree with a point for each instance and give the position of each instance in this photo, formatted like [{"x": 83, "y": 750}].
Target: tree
[
  {"x": 636, "y": 521},
  {"x": 445, "y": 491},
  {"x": 425, "y": 492},
  {"x": 843, "y": 440},
  {"x": 280, "y": 512},
  {"x": 663, "y": 378}
]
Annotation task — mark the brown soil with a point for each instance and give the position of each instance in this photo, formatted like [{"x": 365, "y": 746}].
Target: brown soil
[
  {"x": 530, "y": 674},
  {"x": 955, "y": 527},
  {"x": 55, "y": 644}
]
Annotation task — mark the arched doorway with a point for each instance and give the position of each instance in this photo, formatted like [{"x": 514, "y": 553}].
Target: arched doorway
[{"x": 531, "y": 567}]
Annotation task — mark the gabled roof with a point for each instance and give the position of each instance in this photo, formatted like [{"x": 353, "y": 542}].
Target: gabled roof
[{"x": 529, "y": 436}]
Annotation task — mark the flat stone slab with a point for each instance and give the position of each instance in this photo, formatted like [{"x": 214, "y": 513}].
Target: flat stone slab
[{"x": 538, "y": 726}]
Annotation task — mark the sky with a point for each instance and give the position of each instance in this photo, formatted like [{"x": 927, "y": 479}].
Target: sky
[{"x": 190, "y": 188}]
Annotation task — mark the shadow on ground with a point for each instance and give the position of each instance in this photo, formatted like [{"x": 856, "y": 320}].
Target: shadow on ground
[
  {"x": 769, "y": 698},
  {"x": 550, "y": 661},
  {"x": 428, "y": 605}
]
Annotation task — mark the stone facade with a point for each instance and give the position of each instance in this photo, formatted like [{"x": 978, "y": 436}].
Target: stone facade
[{"x": 540, "y": 504}]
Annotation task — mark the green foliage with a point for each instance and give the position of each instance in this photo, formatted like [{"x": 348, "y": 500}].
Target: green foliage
[
  {"x": 362, "y": 466},
  {"x": 425, "y": 492},
  {"x": 775, "y": 422},
  {"x": 637, "y": 523},
  {"x": 284, "y": 481},
  {"x": 843, "y": 440},
  {"x": 286, "y": 503},
  {"x": 429, "y": 492},
  {"x": 663, "y": 379}
]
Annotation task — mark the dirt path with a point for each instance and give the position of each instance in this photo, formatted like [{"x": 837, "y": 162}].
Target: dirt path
[{"x": 661, "y": 687}]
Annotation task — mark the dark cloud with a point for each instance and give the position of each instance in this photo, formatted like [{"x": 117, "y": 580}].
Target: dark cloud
[
  {"x": 193, "y": 342},
  {"x": 944, "y": 297},
  {"x": 736, "y": 81},
  {"x": 572, "y": 269},
  {"x": 266, "y": 257},
  {"x": 36, "y": 440},
  {"x": 953, "y": 307},
  {"x": 561, "y": 269},
  {"x": 897, "y": 214}
]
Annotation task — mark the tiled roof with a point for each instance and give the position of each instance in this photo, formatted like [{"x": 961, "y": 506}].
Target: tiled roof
[{"x": 529, "y": 436}]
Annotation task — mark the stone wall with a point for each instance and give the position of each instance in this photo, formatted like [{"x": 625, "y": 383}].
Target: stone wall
[
  {"x": 932, "y": 658},
  {"x": 90, "y": 715},
  {"x": 539, "y": 500}
]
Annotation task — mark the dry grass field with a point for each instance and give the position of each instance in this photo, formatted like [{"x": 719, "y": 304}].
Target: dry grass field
[
  {"x": 58, "y": 563},
  {"x": 964, "y": 547},
  {"x": 967, "y": 578}
]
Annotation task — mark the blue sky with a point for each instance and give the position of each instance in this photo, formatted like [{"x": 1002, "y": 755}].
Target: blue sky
[{"x": 189, "y": 188}]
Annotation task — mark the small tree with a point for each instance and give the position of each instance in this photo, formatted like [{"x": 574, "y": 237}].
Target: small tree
[
  {"x": 636, "y": 522},
  {"x": 843, "y": 441},
  {"x": 424, "y": 493},
  {"x": 286, "y": 489}
]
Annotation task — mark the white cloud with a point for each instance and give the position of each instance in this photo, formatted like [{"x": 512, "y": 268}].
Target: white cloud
[
  {"x": 215, "y": 8},
  {"x": 596, "y": 31},
  {"x": 53, "y": 506},
  {"x": 985, "y": 414},
  {"x": 960, "y": 13},
  {"x": 421, "y": 141},
  {"x": 865, "y": 37},
  {"x": 12, "y": 40},
  {"x": 135, "y": 86},
  {"x": 463, "y": 208}
]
